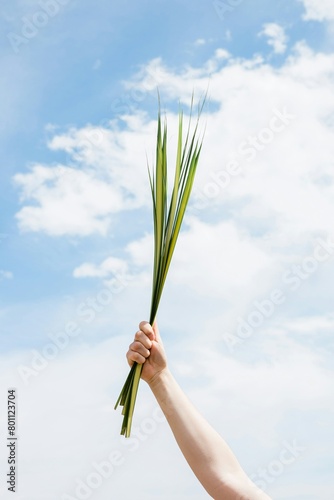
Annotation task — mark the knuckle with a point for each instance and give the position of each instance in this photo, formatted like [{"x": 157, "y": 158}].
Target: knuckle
[
  {"x": 139, "y": 358},
  {"x": 133, "y": 347}
]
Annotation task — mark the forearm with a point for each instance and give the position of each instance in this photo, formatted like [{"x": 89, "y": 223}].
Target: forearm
[{"x": 210, "y": 458}]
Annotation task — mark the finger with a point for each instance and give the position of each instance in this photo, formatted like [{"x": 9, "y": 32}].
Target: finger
[
  {"x": 157, "y": 332},
  {"x": 133, "y": 356},
  {"x": 145, "y": 327},
  {"x": 129, "y": 358},
  {"x": 139, "y": 347},
  {"x": 141, "y": 337}
]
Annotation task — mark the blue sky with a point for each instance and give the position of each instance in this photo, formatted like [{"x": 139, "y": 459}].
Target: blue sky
[
  {"x": 51, "y": 80},
  {"x": 247, "y": 314}
]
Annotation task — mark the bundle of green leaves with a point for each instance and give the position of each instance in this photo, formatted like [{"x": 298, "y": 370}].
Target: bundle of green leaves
[{"x": 167, "y": 215}]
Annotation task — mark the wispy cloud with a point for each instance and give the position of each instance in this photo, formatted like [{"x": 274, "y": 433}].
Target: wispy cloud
[
  {"x": 318, "y": 10},
  {"x": 276, "y": 36},
  {"x": 109, "y": 266},
  {"x": 7, "y": 275}
]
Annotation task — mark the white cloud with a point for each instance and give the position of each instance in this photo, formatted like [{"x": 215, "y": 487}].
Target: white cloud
[
  {"x": 218, "y": 260},
  {"x": 212, "y": 261},
  {"x": 276, "y": 202},
  {"x": 247, "y": 403},
  {"x": 273, "y": 378},
  {"x": 105, "y": 177},
  {"x": 200, "y": 41},
  {"x": 318, "y": 10},
  {"x": 311, "y": 325},
  {"x": 222, "y": 54},
  {"x": 282, "y": 187},
  {"x": 203, "y": 41},
  {"x": 285, "y": 181},
  {"x": 68, "y": 201},
  {"x": 7, "y": 275},
  {"x": 109, "y": 266},
  {"x": 276, "y": 37}
]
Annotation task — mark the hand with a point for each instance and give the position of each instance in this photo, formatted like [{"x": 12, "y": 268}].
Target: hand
[{"x": 147, "y": 349}]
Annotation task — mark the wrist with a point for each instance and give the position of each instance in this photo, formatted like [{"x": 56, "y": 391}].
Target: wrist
[{"x": 159, "y": 378}]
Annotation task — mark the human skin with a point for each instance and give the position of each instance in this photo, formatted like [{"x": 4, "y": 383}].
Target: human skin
[{"x": 206, "y": 452}]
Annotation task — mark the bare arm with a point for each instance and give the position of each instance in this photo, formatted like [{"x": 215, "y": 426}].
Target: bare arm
[{"x": 208, "y": 455}]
